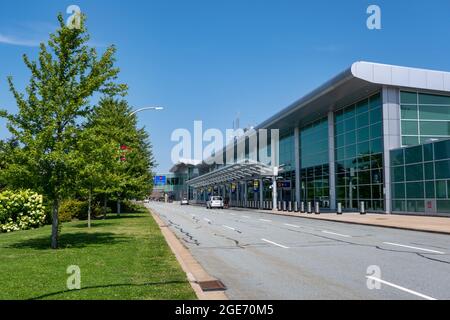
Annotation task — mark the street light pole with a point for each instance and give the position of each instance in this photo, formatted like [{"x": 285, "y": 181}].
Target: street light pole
[
  {"x": 145, "y": 109},
  {"x": 132, "y": 114}
]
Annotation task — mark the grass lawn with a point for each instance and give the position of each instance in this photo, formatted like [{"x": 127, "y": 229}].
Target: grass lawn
[{"x": 120, "y": 258}]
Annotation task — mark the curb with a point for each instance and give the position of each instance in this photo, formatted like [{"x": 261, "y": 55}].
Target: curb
[
  {"x": 194, "y": 271},
  {"x": 349, "y": 222}
]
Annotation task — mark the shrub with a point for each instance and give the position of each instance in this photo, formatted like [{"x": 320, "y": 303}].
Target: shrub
[
  {"x": 21, "y": 210},
  {"x": 73, "y": 209}
]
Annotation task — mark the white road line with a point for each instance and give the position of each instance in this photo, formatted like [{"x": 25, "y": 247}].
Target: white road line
[
  {"x": 233, "y": 214},
  {"x": 401, "y": 288},
  {"x": 291, "y": 225},
  {"x": 246, "y": 217},
  {"x": 275, "y": 244},
  {"x": 264, "y": 220},
  {"x": 229, "y": 228},
  {"x": 336, "y": 234},
  {"x": 417, "y": 248}
]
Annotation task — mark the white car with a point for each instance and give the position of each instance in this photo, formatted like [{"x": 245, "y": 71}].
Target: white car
[
  {"x": 184, "y": 201},
  {"x": 215, "y": 202}
]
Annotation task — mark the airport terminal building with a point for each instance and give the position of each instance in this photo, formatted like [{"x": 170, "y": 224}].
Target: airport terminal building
[{"x": 375, "y": 134}]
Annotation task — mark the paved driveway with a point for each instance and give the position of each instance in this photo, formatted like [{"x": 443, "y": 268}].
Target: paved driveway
[{"x": 264, "y": 256}]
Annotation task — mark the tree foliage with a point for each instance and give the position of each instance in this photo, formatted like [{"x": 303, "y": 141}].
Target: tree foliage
[{"x": 62, "y": 141}]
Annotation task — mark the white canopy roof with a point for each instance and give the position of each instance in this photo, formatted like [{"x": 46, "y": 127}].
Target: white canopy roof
[{"x": 234, "y": 172}]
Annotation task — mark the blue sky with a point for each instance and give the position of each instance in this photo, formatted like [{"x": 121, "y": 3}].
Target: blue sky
[{"x": 210, "y": 59}]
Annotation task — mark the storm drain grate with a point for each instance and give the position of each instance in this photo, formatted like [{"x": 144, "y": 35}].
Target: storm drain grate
[{"x": 213, "y": 285}]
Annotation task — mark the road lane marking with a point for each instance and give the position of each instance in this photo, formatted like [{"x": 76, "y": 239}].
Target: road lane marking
[
  {"x": 246, "y": 217},
  {"x": 275, "y": 244},
  {"x": 229, "y": 228},
  {"x": 336, "y": 234},
  {"x": 233, "y": 214},
  {"x": 417, "y": 248},
  {"x": 291, "y": 225},
  {"x": 401, "y": 288},
  {"x": 264, "y": 220}
]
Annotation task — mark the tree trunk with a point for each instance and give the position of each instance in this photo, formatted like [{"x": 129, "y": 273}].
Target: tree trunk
[
  {"x": 118, "y": 206},
  {"x": 55, "y": 224},
  {"x": 89, "y": 208},
  {"x": 105, "y": 204}
]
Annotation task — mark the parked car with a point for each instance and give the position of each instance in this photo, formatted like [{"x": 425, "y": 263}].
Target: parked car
[
  {"x": 184, "y": 201},
  {"x": 215, "y": 202}
]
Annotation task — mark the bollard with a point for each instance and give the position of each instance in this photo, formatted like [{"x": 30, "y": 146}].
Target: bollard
[
  {"x": 284, "y": 206},
  {"x": 270, "y": 205},
  {"x": 279, "y": 206},
  {"x": 339, "y": 208},
  {"x": 317, "y": 208},
  {"x": 302, "y": 207},
  {"x": 363, "y": 208},
  {"x": 290, "y": 206},
  {"x": 309, "y": 208},
  {"x": 296, "y": 206}
]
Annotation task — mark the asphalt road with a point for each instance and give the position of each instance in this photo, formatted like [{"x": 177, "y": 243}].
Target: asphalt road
[{"x": 264, "y": 256}]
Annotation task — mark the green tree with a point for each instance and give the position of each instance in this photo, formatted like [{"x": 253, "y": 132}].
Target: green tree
[
  {"x": 47, "y": 126},
  {"x": 121, "y": 152}
]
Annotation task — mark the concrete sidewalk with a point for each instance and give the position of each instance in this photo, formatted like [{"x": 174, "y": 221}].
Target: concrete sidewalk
[{"x": 415, "y": 223}]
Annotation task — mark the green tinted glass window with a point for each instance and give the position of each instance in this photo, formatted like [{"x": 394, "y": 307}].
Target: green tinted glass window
[
  {"x": 376, "y": 146},
  {"x": 442, "y": 169},
  {"x": 376, "y": 115},
  {"x": 410, "y": 128},
  {"x": 441, "y": 190},
  {"x": 376, "y": 130},
  {"x": 415, "y": 190},
  {"x": 429, "y": 190},
  {"x": 428, "y": 152},
  {"x": 375, "y": 101},
  {"x": 397, "y": 157},
  {"x": 409, "y": 112},
  {"x": 429, "y": 171},
  {"x": 362, "y": 134},
  {"x": 414, "y": 172},
  {"x": 398, "y": 174},
  {"x": 434, "y": 128},
  {"x": 362, "y": 107},
  {"x": 434, "y": 112},
  {"x": 433, "y": 99},
  {"x": 350, "y": 151},
  {"x": 408, "y": 97},
  {"x": 398, "y": 191},
  {"x": 339, "y": 128},
  {"x": 350, "y": 137},
  {"x": 442, "y": 150},
  {"x": 443, "y": 206},
  {"x": 410, "y": 141},
  {"x": 362, "y": 120},
  {"x": 340, "y": 140},
  {"x": 413, "y": 155},
  {"x": 350, "y": 124},
  {"x": 349, "y": 112},
  {"x": 363, "y": 148},
  {"x": 399, "y": 205}
]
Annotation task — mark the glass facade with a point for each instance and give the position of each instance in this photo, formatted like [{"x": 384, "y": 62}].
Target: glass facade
[
  {"x": 287, "y": 158},
  {"x": 359, "y": 154},
  {"x": 424, "y": 118},
  {"x": 421, "y": 178},
  {"x": 315, "y": 173}
]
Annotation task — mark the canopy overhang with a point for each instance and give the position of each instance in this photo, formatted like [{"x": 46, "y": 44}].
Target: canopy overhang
[{"x": 235, "y": 172}]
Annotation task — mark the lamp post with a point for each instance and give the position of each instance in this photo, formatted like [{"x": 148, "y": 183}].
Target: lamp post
[
  {"x": 132, "y": 114},
  {"x": 145, "y": 109}
]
